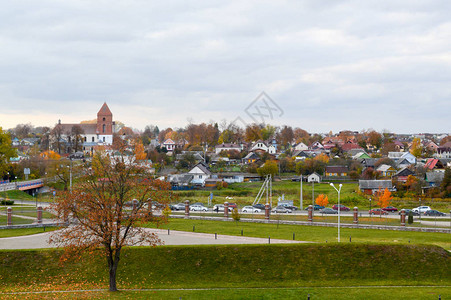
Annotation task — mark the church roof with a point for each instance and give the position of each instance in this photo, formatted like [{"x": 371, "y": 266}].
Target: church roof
[{"x": 104, "y": 110}]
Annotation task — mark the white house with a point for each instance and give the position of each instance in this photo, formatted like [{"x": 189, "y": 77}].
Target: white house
[
  {"x": 169, "y": 145},
  {"x": 300, "y": 147},
  {"x": 399, "y": 156},
  {"x": 259, "y": 146},
  {"x": 227, "y": 147},
  {"x": 314, "y": 177},
  {"x": 200, "y": 173}
]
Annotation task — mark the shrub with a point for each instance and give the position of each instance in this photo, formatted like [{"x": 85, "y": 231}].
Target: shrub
[
  {"x": 235, "y": 214},
  {"x": 410, "y": 218},
  {"x": 7, "y": 202}
]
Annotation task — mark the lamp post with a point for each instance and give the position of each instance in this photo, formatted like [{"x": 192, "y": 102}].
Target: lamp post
[
  {"x": 419, "y": 209},
  {"x": 338, "y": 191},
  {"x": 369, "y": 212}
]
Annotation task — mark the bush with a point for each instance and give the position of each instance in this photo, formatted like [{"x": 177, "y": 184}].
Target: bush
[
  {"x": 7, "y": 202},
  {"x": 410, "y": 218},
  {"x": 235, "y": 214}
]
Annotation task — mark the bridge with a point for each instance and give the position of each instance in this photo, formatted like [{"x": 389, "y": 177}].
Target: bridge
[{"x": 29, "y": 185}]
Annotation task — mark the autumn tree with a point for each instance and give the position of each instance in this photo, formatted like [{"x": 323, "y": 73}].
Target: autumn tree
[
  {"x": 6, "y": 152},
  {"x": 301, "y": 135},
  {"x": 384, "y": 198},
  {"x": 417, "y": 148},
  {"x": 252, "y": 133},
  {"x": 98, "y": 214},
  {"x": 267, "y": 132},
  {"x": 139, "y": 150},
  {"x": 56, "y": 136},
  {"x": 76, "y": 137},
  {"x": 445, "y": 186},
  {"x": 375, "y": 139},
  {"x": 322, "y": 200},
  {"x": 286, "y": 135},
  {"x": 269, "y": 168}
]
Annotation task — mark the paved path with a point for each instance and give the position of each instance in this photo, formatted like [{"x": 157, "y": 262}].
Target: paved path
[{"x": 40, "y": 240}]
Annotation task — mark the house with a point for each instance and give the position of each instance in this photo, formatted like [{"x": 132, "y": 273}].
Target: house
[
  {"x": 178, "y": 180},
  {"x": 349, "y": 146},
  {"x": 337, "y": 171},
  {"x": 250, "y": 158},
  {"x": 360, "y": 155},
  {"x": 259, "y": 146},
  {"x": 169, "y": 144},
  {"x": 200, "y": 172},
  {"x": 431, "y": 146},
  {"x": 402, "y": 163},
  {"x": 300, "y": 147},
  {"x": 300, "y": 155},
  {"x": 314, "y": 177},
  {"x": 434, "y": 179},
  {"x": 368, "y": 162},
  {"x": 212, "y": 182},
  {"x": 433, "y": 163},
  {"x": 402, "y": 174},
  {"x": 316, "y": 146},
  {"x": 386, "y": 170},
  {"x": 227, "y": 147},
  {"x": 444, "y": 151},
  {"x": 370, "y": 187},
  {"x": 398, "y": 156}
]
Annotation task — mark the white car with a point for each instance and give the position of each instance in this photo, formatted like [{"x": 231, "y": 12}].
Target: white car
[
  {"x": 421, "y": 209},
  {"x": 220, "y": 207},
  {"x": 197, "y": 207},
  {"x": 250, "y": 209}
]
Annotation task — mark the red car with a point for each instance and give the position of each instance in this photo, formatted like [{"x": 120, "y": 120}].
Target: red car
[
  {"x": 378, "y": 211},
  {"x": 342, "y": 207},
  {"x": 390, "y": 209},
  {"x": 232, "y": 205}
]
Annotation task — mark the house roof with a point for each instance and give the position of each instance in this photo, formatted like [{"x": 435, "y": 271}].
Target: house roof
[
  {"x": 104, "y": 110},
  {"x": 384, "y": 168},
  {"x": 227, "y": 145},
  {"x": 404, "y": 172},
  {"x": 168, "y": 141},
  {"x": 337, "y": 169},
  {"x": 431, "y": 163},
  {"x": 203, "y": 168},
  {"x": 87, "y": 128},
  {"x": 375, "y": 184},
  {"x": 350, "y": 146},
  {"x": 435, "y": 176}
]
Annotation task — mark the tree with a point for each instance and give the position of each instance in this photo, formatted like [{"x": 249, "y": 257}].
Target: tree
[
  {"x": 139, "y": 150},
  {"x": 252, "y": 133},
  {"x": 60, "y": 170},
  {"x": 445, "y": 186},
  {"x": 322, "y": 200},
  {"x": 384, "y": 198},
  {"x": 286, "y": 135},
  {"x": 56, "y": 135},
  {"x": 267, "y": 132},
  {"x": 76, "y": 137},
  {"x": 417, "y": 148},
  {"x": 269, "y": 168},
  {"x": 6, "y": 152},
  {"x": 375, "y": 139},
  {"x": 97, "y": 205}
]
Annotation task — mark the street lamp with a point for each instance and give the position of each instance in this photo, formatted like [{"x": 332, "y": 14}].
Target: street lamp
[
  {"x": 338, "y": 191},
  {"x": 419, "y": 210}
]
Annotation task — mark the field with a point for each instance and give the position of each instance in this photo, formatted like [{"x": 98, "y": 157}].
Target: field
[{"x": 286, "y": 270}]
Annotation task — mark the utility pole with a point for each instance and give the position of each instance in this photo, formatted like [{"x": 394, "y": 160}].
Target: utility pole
[{"x": 301, "y": 206}]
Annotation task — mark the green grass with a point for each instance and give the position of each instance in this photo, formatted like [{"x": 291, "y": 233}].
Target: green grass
[
  {"x": 237, "y": 266},
  {"x": 310, "y": 233},
  {"x": 264, "y": 293},
  {"x": 23, "y": 231},
  {"x": 16, "y": 194},
  {"x": 16, "y": 220}
]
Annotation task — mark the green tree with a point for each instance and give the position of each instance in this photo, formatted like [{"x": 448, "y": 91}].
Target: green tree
[
  {"x": 446, "y": 183},
  {"x": 417, "y": 148},
  {"x": 6, "y": 152}
]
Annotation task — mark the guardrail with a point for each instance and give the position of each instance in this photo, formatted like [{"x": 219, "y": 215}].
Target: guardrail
[{"x": 22, "y": 185}]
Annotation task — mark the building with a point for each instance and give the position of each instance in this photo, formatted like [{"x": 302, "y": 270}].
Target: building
[
  {"x": 99, "y": 132},
  {"x": 370, "y": 187}
]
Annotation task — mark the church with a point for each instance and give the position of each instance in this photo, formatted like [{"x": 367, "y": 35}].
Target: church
[{"x": 93, "y": 133}]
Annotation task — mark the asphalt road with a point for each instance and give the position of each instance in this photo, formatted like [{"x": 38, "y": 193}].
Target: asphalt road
[{"x": 40, "y": 240}]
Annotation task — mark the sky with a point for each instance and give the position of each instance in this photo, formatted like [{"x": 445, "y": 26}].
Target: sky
[{"x": 322, "y": 65}]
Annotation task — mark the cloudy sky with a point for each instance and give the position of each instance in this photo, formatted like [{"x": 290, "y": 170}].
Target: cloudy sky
[{"x": 328, "y": 65}]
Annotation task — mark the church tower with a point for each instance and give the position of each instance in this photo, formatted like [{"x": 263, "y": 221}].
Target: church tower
[{"x": 105, "y": 124}]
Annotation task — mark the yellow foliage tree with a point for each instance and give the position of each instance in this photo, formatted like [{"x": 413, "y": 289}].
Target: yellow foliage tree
[
  {"x": 417, "y": 148},
  {"x": 139, "y": 150},
  {"x": 322, "y": 158},
  {"x": 50, "y": 155},
  {"x": 322, "y": 200}
]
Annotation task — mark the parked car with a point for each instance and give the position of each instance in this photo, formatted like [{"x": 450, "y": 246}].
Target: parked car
[
  {"x": 342, "y": 207},
  {"x": 409, "y": 211},
  {"x": 220, "y": 207},
  {"x": 281, "y": 209},
  {"x": 250, "y": 209},
  {"x": 421, "y": 209},
  {"x": 378, "y": 211},
  {"x": 434, "y": 212},
  {"x": 197, "y": 207},
  {"x": 296, "y": 179},
  {"x": 318, "y": 207},
  {"x": 178, "y": 206},
  {"x": 390, "y": 209},
  {"x": 292, "y": 207},
  {"x": 232, "y": 205},
  {"x": 328, "y": 210},
  {"x": 197, "y": 203},
  {"x": 259, "y": 206}
]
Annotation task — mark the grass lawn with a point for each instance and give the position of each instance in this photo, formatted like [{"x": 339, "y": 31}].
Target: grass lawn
[
  {"x": 23, "y": 231},
  {"x": 16, "y": 194},
  {"x": 16, "y": 220},
  {"x": 264, "y": 293},
  {"x": 310, "y": 233}
]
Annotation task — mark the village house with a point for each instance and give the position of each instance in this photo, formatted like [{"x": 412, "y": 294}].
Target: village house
[{"x": 336, "y": 171}]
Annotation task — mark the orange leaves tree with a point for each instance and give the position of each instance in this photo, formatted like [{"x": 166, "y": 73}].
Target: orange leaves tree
[
  {"x": 105, "y": 208},
  {"x": 322, "y": 200},
  {"x": 384, "y": 198}
]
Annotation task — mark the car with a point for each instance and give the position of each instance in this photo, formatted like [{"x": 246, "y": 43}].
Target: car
[
  {"x": 281, "y": 209},
  {"x": 232, "y": 205},
  {"x": 220, "y": 207},
  {"x": 378, "y": 211},
  {"x": 390, "y": 209},
  {"x": 197, "y": 207},
  {"x": 250, "y": 209},
  {"x": 259, "y": 206},
  {"x": 296, "y": 179},
  {"x": 421, "y": 209},
  {"x": 342, "y": 207},
  {"x": 409, "y": 211},
  {"x": 178, "y": 206},
  {"x": 434, "y": 212},
  {"x": 318, "y": 207},
  {"x": 292, "y": 207},
  {"x": 198, "y": 203},
  {"x": 328, "y": 210}
]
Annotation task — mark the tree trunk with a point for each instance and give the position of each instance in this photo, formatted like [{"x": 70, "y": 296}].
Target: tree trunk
[{"x": 113, "y": 262}]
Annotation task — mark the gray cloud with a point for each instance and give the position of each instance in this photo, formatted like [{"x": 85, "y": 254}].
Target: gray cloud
[{"x": 331, "y": 65}]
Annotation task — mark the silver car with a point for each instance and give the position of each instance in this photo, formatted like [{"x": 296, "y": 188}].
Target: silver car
[
  {"x": 282, "y": 210},
  {"x": 250, "y": 209}
]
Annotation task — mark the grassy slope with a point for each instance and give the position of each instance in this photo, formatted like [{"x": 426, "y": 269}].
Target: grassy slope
[
  {"x": 234, "y": 266},
  {"x": 23, "y": 231},
  {"x": 310, "y": 233}
]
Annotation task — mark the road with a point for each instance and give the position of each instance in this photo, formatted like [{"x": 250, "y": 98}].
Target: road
[{"x": 38, "y": 241}]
